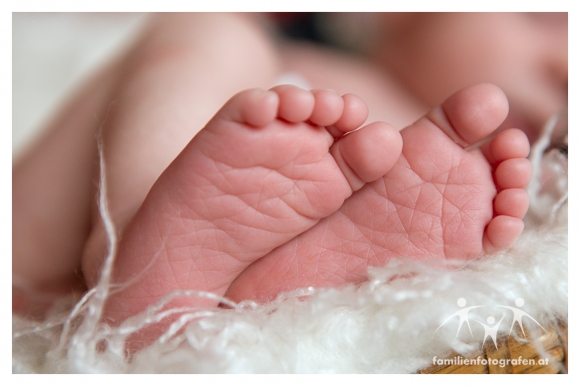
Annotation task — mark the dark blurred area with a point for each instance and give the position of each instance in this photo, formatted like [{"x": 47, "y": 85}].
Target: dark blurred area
[{"x": 301, "y": 26}]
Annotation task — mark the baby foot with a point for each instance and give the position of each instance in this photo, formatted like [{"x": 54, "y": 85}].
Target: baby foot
[
  {"x": 439, "y": 200},
  {"x": 267, "y": 167}
]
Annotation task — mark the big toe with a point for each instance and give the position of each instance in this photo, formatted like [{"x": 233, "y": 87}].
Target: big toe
[
  {"x": 471, "y": 114},
  {"x": 254, "y": 107},
  {"x": 368, "y": 153}
]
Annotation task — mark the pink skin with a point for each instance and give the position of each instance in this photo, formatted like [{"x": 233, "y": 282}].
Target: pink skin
[
  {"x": 524, "y": 53},
  {"x": 437, "y": 201},
  {"x": 262, "y": 171}
]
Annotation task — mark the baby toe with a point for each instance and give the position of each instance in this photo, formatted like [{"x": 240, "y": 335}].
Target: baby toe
[
  {"x": 513, "y": 173},
  {"x": 501, "y": 233},
  {"x": 510, "y": 143},
  {"x": 367, "y": 154},
  {"x": 354, "y": 114},
  {"x": 255, "y": 107},
  {"x": 296, "y": 104},
  {"x": 328, "y": 108},
  {"x": 471, "y": 114},
  {"x": 512, "y": 202}
]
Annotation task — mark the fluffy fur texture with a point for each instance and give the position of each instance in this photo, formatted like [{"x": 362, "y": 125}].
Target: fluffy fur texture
[{"x": 388, "y": 324}]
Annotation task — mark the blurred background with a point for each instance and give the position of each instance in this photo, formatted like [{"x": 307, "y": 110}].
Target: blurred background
[
  {"x": 52, "y": 53},
  {"x": 431, "y": 55}
]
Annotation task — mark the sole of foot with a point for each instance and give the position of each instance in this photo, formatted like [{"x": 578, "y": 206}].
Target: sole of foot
[
  {"x": 438, "y": 201},
  {"x": 269, "y": 166}
]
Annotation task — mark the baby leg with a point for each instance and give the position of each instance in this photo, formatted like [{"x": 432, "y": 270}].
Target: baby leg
[
  {"x": 52, "y": 193},
  {"x": 149, "y": 105}
]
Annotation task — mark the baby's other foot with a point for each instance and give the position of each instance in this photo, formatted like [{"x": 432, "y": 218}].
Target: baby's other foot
[
  {"x": 439, "y": 200},
  {"x": 267, "y": 167}
]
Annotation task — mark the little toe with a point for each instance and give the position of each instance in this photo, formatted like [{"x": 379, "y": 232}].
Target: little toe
[
  {"x": 501, "y": 233},
  {"x": 510, "y": 143},
  {"x": 513, "y": 173},
  {"x": 471, "y": 114},
  {"x": 296, "y": 104},
  {"x": 255, "y": 107},
  {"x": 354, "y": 114},
  {"x": 328, "y": 108},
  {"x": 512, "y": 202},
  {"x": 367, "y": 154}
]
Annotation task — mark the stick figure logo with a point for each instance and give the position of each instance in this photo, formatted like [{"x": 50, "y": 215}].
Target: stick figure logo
[
  {"x": 491, "y": 328},
  {"x": 463, "y": 316},
  {"x": 519, "y": 314}
]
